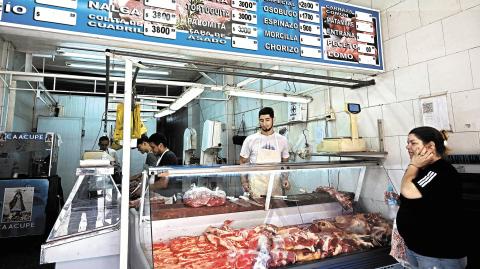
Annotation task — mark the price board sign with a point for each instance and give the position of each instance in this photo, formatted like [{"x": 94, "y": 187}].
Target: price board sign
[{"x": 317, "y": 32}]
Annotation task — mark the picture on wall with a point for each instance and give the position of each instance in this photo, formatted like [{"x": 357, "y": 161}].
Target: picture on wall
[{"x": 17, "y": 204}]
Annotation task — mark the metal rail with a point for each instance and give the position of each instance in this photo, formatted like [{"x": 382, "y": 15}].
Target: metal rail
[{"x": 286, "y": 75}]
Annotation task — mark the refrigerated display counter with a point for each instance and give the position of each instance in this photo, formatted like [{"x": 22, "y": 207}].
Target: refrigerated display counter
[{"x": 203, "y": 218}]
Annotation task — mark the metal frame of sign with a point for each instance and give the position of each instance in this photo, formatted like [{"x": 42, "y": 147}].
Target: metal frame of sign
[{"x": 313, "y": 33}]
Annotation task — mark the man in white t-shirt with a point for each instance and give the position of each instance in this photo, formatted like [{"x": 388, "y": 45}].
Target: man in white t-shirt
[{"x": 265, "y": 146}]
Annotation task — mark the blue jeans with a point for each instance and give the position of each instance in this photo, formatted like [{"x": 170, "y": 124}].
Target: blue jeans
[{"x": 418, "y": 261}]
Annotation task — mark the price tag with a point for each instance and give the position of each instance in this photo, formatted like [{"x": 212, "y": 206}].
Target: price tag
[
  {"x": 166, "y": 4},
  {"x": 310, "y": 40},
  {"x": 364, "y": 26},
  {"x": 65, "y": 3},
  {"x": 159, "y": 16},
  {"x": 245, "y": 4},
  {"x": 55, "y": 16},
  {"x": 311, "y": 52},
  {"x": 159, "y": 30},
  {"x": 309, "y": 28},
  {"x": 367, "y": 49},
  {"x": 362, "y": 16},
  {"x": 309, "y": 5},
  {"x": 244, "y": 17},
  {"x": 244, "y": 43},
  {"x": 308, "y": 16},
  {"x": 367, "y": 59},
  {"x": 367, "y": 38},
  {"x": 244, "y": 30}
]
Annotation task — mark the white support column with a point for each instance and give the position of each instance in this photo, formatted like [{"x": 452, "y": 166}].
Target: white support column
[
  {"x": 3, "y": 87},
  {"x": 28, "y": 62},
  {"x": 361, "y": 177},
  {"x": 126, "y": 165},
  {"x": 12, "y": 95}
]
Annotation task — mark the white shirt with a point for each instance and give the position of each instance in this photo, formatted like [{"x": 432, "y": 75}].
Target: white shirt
[{"x": 257, "y": 141}]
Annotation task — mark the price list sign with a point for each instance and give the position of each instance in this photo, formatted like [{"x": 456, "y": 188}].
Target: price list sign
[{"x": 315, "y": 32}]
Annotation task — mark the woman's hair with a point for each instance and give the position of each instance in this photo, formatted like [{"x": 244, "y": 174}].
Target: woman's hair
[{"x": 430, "y": 134}]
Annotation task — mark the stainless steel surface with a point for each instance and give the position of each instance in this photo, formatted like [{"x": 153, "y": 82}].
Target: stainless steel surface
[{"x": 262, "y": 168}]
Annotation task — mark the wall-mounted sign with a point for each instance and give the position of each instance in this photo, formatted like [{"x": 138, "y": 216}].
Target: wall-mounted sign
[
  {"x": 8, "y": 136},
  {"x": 310, "y": 31},
  {"x": 22, "y": 202}
]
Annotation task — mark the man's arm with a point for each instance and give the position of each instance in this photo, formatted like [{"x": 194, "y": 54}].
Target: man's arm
[
  {"x": 244, "y": 178},
  {"x": 244, "y": 160}
]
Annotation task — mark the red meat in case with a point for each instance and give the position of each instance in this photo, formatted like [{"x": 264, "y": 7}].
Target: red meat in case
[
  {"x": 226, "y": 247},
  {"x": 201, "y": 196}
]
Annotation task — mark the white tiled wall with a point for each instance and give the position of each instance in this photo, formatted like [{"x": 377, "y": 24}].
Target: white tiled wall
[
  {"x": 459, "y": 30},
  {"x": 425, "y": 43},
  {"x": 403, "y": 17},
  {"x": 411, "y": 81},
  {"x": 431, "y": 10},
  {"x": 451, "y": 73},
  {"x": 395, "y": 53},
  {"x": 383, "y": 92},
  {"x": 475, "y": 65}
]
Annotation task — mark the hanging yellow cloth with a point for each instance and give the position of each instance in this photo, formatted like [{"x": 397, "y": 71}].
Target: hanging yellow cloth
[{"x": 137, "y": 126}]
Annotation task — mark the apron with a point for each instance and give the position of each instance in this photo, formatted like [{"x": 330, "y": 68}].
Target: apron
[
  {"x": 161, "y": 156},
  {"x": 259, "y": 183}
]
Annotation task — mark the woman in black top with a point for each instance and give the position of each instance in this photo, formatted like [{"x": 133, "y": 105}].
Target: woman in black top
[{"x": 430, "y": 216}]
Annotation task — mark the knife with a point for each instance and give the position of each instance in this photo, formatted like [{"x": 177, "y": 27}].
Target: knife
[
  {"x": 237, "y": 201},
  {"x": 281, "y": 197},
  {"x": 250, "y": 201}
]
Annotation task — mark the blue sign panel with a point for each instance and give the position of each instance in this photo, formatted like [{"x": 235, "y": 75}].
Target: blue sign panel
[
  {"x": 310, "y": 31},
  {"x": 23, "y": 202}
]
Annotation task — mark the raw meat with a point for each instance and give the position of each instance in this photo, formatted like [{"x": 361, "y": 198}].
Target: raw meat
[
  {"x": 225, "y": 247},
  {"x": 343, "y": 198},
  {"x": 201, "y": 196}
]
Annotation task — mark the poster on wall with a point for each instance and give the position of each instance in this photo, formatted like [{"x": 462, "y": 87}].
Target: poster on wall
[
  {"x": 23, "y": 204},
  {"x": 304, "y": 31},
  {"x": 435, "y": 112}
]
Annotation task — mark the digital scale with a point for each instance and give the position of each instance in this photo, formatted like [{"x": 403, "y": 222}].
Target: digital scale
[{"x": 345, "y": 144}]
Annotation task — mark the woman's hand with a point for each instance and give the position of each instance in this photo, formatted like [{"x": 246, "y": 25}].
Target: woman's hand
[{"x": 422, "y": 157}]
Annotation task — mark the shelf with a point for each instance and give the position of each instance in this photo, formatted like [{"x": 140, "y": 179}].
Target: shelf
[{"x": 354, "y": 154}]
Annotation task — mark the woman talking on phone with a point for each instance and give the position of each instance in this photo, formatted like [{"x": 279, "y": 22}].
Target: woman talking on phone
[{"x": 430, "y": 214}]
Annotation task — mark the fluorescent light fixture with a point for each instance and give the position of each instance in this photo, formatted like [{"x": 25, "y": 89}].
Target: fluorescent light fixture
[
  {"x": 186, "y": 98},
  {"x": 270, "y": 96},
  {"x": 164, "y": 112},
  {"x": 40, "y": 55},
  {"x": 114, "y": 68},
  {"x": 81, "y": 55},
  {"x": 95, "y": 56}
]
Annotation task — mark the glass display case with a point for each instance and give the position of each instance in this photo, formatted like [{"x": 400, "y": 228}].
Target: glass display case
[
  {"x": 88, "y": 223},
  {"x": 294, "y": 214}
]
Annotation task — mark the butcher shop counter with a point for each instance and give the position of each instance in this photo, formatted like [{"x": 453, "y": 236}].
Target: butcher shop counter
[{"x": 214, "y": 224}]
